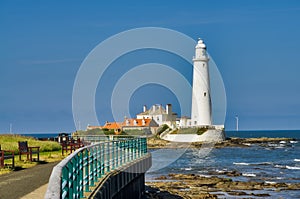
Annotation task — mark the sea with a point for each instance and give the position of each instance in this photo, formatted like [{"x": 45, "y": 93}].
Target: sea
[{"x": 273, "y": 163}]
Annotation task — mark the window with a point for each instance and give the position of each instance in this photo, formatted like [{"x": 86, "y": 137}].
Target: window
[
  {"x": 204, "y": 94},
  {"x": 195, "y": 122},
  {"x": 157, "y": 118},
  {"x": 203, "y": 64}
]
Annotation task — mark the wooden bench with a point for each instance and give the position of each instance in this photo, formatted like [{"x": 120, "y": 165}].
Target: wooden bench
[
  {"x": 71, "y": 145},
  {"x": 6, "y": 154},
  {"x": 25, "y": 149}
]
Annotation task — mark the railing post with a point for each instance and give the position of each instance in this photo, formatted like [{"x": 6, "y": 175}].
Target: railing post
[
  {"x": 112, "y": 152},
  {"x": 140, "y": 146},
  {"x": 144, "y": 147},
  {"x": 71, "y": 182},
  {"x": 134, "y": 147},
  {"x": 64, "y": 182},
  {"x": 75, "y": 177},
  {"x": 107, "y": 156},
  {"x": 127, "y": 151},
  {"x": 117, "y": 153},
  {"x": 86, "y": 169},
  {"x": 98, "y": 159},
  {"x": 102, "y": 147},
  {"x": 91, "y": 163},
  {"x": 121, "y": 152},
  {"x": 80, "y": 162}
]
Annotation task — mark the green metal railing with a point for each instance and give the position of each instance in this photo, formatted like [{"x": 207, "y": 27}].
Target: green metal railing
[{"x": 82, "y": 169}]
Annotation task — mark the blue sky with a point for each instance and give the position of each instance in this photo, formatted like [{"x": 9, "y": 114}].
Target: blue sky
[{"x": 255, "y": 45}]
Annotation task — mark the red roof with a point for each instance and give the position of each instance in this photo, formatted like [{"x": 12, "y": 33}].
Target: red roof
[
  {"x": 137, "y": 122},
  {"x": 112, "y": 125},
  {"x": 127, "y": 122}
]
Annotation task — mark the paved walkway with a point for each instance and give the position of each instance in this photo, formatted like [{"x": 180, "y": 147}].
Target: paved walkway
[
  {"x": 39, "y": 193},
  {"x": 28, "y": 183}
]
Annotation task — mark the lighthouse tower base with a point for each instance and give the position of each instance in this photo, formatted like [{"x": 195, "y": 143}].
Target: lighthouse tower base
[{"x": 211, "y": 135}]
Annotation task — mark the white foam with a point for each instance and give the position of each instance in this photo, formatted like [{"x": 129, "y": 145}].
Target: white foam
[
  {"x": 205, "y": 176},
  {"x": 248, "y": 174},
  {"x": 262, "y": 163},
  {"x": 247, "y": 144},
  {"x": 279, "y": 166},
  {"x": 289, "y": 167},
  {"x": 254, "y": 163},
  {"x": 293, "y": 142},
  {"x": 273, "y": 145},
  {"x": 221, "y": 171},
  {"x": 241, "y": 163},
  {"x": 270, "y": 182},
  {"x": 297, "y": 160},
  {"x": 282, "y": 142},
  {"x": 188, "y": 169}
]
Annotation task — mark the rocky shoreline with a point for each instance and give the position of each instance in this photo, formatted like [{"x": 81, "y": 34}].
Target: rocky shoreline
[
  {"x": 156, "y": 143},
  {"x": 197, "y": 186},
  {"x": 218, "y": 184}
]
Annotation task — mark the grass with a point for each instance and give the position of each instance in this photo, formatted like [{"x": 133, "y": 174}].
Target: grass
[
  {"x": 49, "y": 152},
  {"x": 10, "y": 142},
  {"x": 161, "y": 129},
  {"x": 198, "y": 131}
]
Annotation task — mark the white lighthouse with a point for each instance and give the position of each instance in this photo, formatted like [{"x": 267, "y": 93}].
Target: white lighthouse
[{"x": 201, "y": 98}]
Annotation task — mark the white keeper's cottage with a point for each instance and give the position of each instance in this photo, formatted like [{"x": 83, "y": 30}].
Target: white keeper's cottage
[{"x": 159, "y": 114}]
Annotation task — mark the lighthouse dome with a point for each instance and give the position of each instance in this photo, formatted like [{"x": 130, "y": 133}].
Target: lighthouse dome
[{"x": 200, "y": 44}]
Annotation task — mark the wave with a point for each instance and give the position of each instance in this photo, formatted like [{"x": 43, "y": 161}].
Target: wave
[
  {"x": 279, "y": 147},
  {"x": 293, "y": 142},
  {"x": 289, "y": 167},
  {"x": 248, "y": 174},
  {"x": 272, "y": 145},
  {"x": 270, "y": 182},
  {"x": 253, "y": 163},
  {"x": 262, "y": 163},
  {"x": 247, "y": 144},
  {"x": 297, "y": 160},
  {"x": 219, "y": 171},
  {"x": 241, "y": 163},
  {"x": 280, "y": 166}
]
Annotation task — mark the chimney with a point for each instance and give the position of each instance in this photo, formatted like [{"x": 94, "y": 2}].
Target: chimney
[
  {"x": 169, "y": 109},
  {"x": 144, "y": 108}
]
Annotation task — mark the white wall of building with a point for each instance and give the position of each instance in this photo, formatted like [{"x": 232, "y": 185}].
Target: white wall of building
[{"x": 159, "y": 115}]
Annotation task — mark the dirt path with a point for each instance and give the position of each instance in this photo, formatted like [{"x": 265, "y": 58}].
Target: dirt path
[{"x": 19, "y": 183}]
